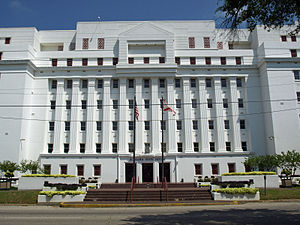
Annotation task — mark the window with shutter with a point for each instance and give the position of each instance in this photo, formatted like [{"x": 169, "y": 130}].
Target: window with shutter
[
  {"x": 238, "y": 60},
  {"x": 215, "y": 169},
  {"x": 7, "y": 40},
  {"x": 192, "y": 60},
  {"x": 54, "y": 62},
  {"x": 207, "y": 60},
  {"x": 283, "y": 38},
  {"x": 231, "y": 167},
  {"x": 63, "y": 169},
  {"x": 84, "y": 62},
  {"x": 100, "y": 43},
  {"x": 293, "y": 53},
  {"x": 223, "y": 60},
  {"x": 85, "y": 43},
  {"x": 293, "y": 38},
  {"x": 80, "y": 170},
  {"x": 69, "y": 62},
  {"x": 97, "y": 170},
  {"x": 198, "y": 169},
  {"x": 100, "y": 61},
  {"x": 146, "y": 60},
  {"x": 220, "y": 45},
  {"x": 191, "y": 42},
  {"x": 177, "y": 60},
  {"x": 206, "y": 42}
]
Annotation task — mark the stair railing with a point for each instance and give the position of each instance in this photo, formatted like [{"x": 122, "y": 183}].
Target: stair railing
[
  {"x": 165, "y": 187},
  {"x": 131, "y": 188}
]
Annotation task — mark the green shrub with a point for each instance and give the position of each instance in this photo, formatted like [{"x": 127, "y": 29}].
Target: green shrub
[
  {"x": 204, "y": 185},
  {"x": 47, "y": 175},
  {"x": 234, "y": 191},
  {"x": 249, "y": 173},
  {"x": 52, "y": 193}
]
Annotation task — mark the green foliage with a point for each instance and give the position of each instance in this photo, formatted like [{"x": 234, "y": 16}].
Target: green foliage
[
  {"x": 272, "y": 13},
  {"x": 262, "y": 162},
  {"x": 289, "y": 162},
  {"x": 249, "y": 173},
  {"x": 239, "y": 191},
  {"x": 18, "y": 197},
  {"x": 8, "y": 168},
  {"x": 47, "y": 175},
  {"x": 29, "y": 165},
  {"x": 52, "y": 193}
]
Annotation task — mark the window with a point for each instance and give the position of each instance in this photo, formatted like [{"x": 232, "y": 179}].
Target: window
[
  {"x": 242, "y": 124},
  {"x": 195, "y": 125},
  {"x": 99, "y": 104},
  {"x": 51, "y": 126},
  {"x": 115, "y": 104},
  {"x": 130, "y": 103},
  {"x": 84, "y": 62},
  {"x": 215, "y": 169},
  {"x": 52, "y": 104},
  {"x": 223, "y": 60},
  {"x": 0, "y": 55},
  {"x": 63, "y": 169},
  {"x": 115, "y": 84},
  {"x": 147, "y": 148},
  {"x": 293, "y": 38},
  {"x": 85, "y": 43},
  {"x": 115, "y": 61},
  {"x": 69, "y": 84},
  {"x": 97, "y": 170},
  {"x": 100, "y": 43},
  {"x": 293, "y": 53},
  {"x": 68, "y": 104},
  {"x": 298, "y": 97},
  {"x": 147, "y": 125},
  {"x": 163, "y": 125},
  {"x": 69, "y": 62},
  {"x": 7, "y": 40},
  {"x": 47, "y": 169},
  {"x": 82, "y": 148},
  {"x": 146, "y": 60},
  {"x": 114, "y": 147},
  {"x": 177, "y": 60},
  {"x": 296, "y": 75},
  {"x": 146, "y": 83},
  {"x": 196, "y": 147},
  {"x": 198, "y": 169},
  {"x": 161, "y": 59},
  {"x": 241, "y": 103},
  {"x": 99, "y": 125},
  {"x": 177, "y": 83},
  {"x": 131, "y": 147},
  {"x": 84, "y": 84},
  {"x": 100, "y": 61},
  {"x": 283, "y": 38},
  {"x": 223, "y": 83},
  {"x": 147, "y": 103},
  {"x": 207, "y": 60},
  {"x": 208, "y": 82},
  {"x": 225, "y": 103},
  {"x": 194, "y": 103},
  {"x": 192, "y": 60},
  {"x": 99, "y": 83},
  {"x": 209, "y": 103},
  {"x": 178, "y": 103},
  {"x": 130, "y": 125},
  {"x": 230, "y": 46},
  {"x": 206, "y": 41},
  {"x": 193, "y": 83},
  {"x": 163, "y": 146},
  {"x": 238, "y": 60},
  {"x": 226, "y": 124},
  {"x": 244, "y": 146},
  {"x": 191, "y": 42},
  {"x": 54, "y": 62},
  {"x": 239, "y": 82},
  {"x": 162, "y": 83},
  {"x": 231, "y": 167},
  {"x": 67, "y": 125},
  {"x": 82, "y": 125},
  {"x": 179, "y": 147},
  {"x": 130, "y": 60},
  {"x": 50, "y": 148},
  {"x": 66, "y": 148},
  {"x": 212, "y": 146},
  {"x": 220, "y": 45},
  {"x": 211, "y": 124},
  {"x": 80, "y": 170},
  {"x": 83, "y": 104},
  {"x": 98, "y": 147},
  {"x": 115, "y": 125},
  {"x": 130, "y": 83},
  {"x": 179, "y": 124},
  {"x": 228, "y": 146}
]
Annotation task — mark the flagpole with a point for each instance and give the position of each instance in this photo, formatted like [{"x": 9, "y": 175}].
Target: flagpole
[
  {"x": 162, "y": 140},
  {"x": 134, "y": 119}
]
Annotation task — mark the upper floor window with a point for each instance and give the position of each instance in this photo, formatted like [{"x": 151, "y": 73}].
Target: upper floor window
[
  {"x": 85, "y": 43},
  {"x": 130, "y": 83},
  {"x": 178, "y": 103},
  {"x": 146, "y": 60},
  {"x": 293, "y": 53},
  {"x": 130, "y": 60},
  {"x": 51, "y": 126},
  {"x": 130, "y": 125},
  {"x": 228, "y": 146},
  {"x": 99, "y": 104},
  {"x": 209, "y": 103},
  {"x": 115, "y": 61},
  {"x": 163, "y": 125},
  {"x": 84, "y": 83},
  {"x": 147, "y": 125},
  {"x": 146, "y": 83},
  {"x": 115, "y": 125},
  {"x": 193, "y": 83},
  {"x": 0, "y": 55},
  {"x": 100, "y": 61},
  {"x": 238, "y": 60},
  {"x": 177, "y": 60},
  {"x": 198, "y": 169},
  {"x": 53, "y": 103},
  {"x": 220, "y": 45},
  {"x": 223, "y": 60},
  {"x": 206, "y": 41},
  {"x": 50, "y": 148},
  {"x": 230, "y": 46},
  {"x": 162, "y": 60},
  {"x": 68, "y": 104},
  {"x": 283, "y": 38},
  {"x": 296, "y": 75},
  {"x": 69, "y": 84},
  {"x": 69, "y": 62},
  {"x": 179, "y": 147},
  {"x": 244, "y": 146},
  {"x": 241, "y": 103},
  {"x": 223, "y": 83},
  {"x": 195, "y": 124},
  {"x": 115, "y": 83},
  {"x": 115, "y": 104},
  {"x": 192, "y": 60},
  {"x": 179, "y": 124},
  {"x": 226, "y": 124},
  {"x": 225, "y": 103},
  {"x": 208, "y": 82},
  {"x": 99, "y": 83},
  {"x": 194, "y": 103},
  {"x": 293, "y": 38},
  {"x": 162, "y": 83},
  {"x": 7, "y": 40},
  {"x": 84, "y": 61},
  {"x": 114, "y": 147},
  {"x": 100, "y": 43},
  {"x": 82, "y": 148},
  {"x": 147, "y": 103},
  {"x": 53, "y": 84},
  {"x": 298, "y": 97},
  {"x": 196, "y": 146},
  {"x": 191, "y": 42},
  {"x": 130, "y": 103},
  {"x": 210, "y": 124},
  {"x": 177, "y": 83},
  {"x": 239, "y": 82},
  {"x": 54, "y": 62},
  {"x": 207, "y": 60},
  {"x": 83, "y": 104}
]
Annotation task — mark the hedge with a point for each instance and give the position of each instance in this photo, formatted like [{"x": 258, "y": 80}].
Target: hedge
[
  {"x": 240, "y": 191},
  {"x": 249, "y": 173},
  {"x": 47, "y": 175},
  {"x": 51, "y": 193}
]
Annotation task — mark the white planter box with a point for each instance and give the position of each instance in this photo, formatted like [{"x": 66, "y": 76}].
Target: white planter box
[
  {"x": 54, "y": 189},
  {"x": 37, "y": 183},
  {"x": 61, "y": 198},
  {"x": 229, "y": 197},
  {"x": 272, "y": 180}
]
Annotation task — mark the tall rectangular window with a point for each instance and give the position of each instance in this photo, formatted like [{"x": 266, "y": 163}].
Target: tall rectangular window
[
  {"x": 241, "y": 103},
  {"x": 177, "y": 83},
  {"x": 293, "y": 53},
  {"x": 84, "y": 62},
  {"x": 50, "y": 148},
  {"x": 162, "y": 83},
  {"x": 98, "y": 147},
  {"x": 147, "y": 103},
  {"x": 115, "y": 125},
  {"x": 228, "y": 146},
  {"x": 220, "y": 45},
  {"x": 82, "y": 148},
  {"x": 209, "y": 103},
  {"x": 177, "y": 60},
  {"x": 162, "y": 60},
  {"x": 244, "y": 146},
  {"x": 97, "y": 170},
  {"x": 69, "y": 84},
  {"x": 54, "y": 62},
  {"x": 146, "y": 83},
  {"x": 114, "y": 147},
  {"x": 210, "y": 124},
  {"x": 115, "y": 104},
  {"x": 163, "y": 125},
  {"x": 179, "y": 124},
  {"x": 130, "y": 147},
  {"x": 67, "y": 125},
  {"x": 283, "y": 38},
  {"x": 52, "y": 104},
  {"x": 231, "y": 167},
  {"x": 207, "y": 60},
  {"x": 115, "y": 61},
  {"x": 179, "y": 147},
  {"x": 66, "y": 147},
  {"x": 99, "y": 125},
  {"x": 0, "y": 55},
  {"x": 83, "y": 104},
  {"x": 238, "y": 60},
  {"x": 51, "y": 126},
  {"x": 100, "y": 61},
  {"x": 130, "y": 60},
  {"x": 192, "y": 60},
  {"x": 242, "y": 124},
  {"x": 198, "y": 169},
  {"x": 53, "y": 84},
  {"x": 208, "y": 82},
  {"x": 99, "y": 84},
  {"x": 130, "y": 83},
  {"x": 147, "y": 125},
  {"x": 47, "y": 169},
  {"x": 293, "y": 38},
  {"x": 80, "y": 170},
  {"x": 195, "y": 124},
  {"x": 226, "y": 124},
  {"x": 225, "y": 103},
  {"x": 99, "y": 104},
  {"x": 191, "y": 42},
  {"x": 69, "y": 62},
  {"x": 146, "y": 60},
  {"x": 223, "y": 82},
  {"x": 82, "y": 125},
  {"x": 163, "y": 147},
  {"x": 223, "y": 60},
  {"x": 194, "y": 103},
  {"x": 84, "y": 83},
  {"x": 147, "y": 148},
  {"x": 130, "y": 103},
  {"x": 7, "y": 40},
  {"x": 212, "y": 146},
  {"x": 215, "y": 169},
  {"x": 130, "y": 125},
  {"x": 298, "y": 97},
  {"x": 63, "y": 169},
  {"x": 115, "y": 83},
  {"x": 239, "y": 82},
  {"x": 100, "y": 43},
  {"x": 178, "y": 103},
  {"x": 206, "y": 41},
  {"x": 296, "y": 74},
  {"x": 196, "y": 146},
  {"x": 85, "y": 43},
  {"x": 193, "y": 83}
]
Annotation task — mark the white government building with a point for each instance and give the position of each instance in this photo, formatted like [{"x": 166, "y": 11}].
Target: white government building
[{"x": 66, "y": 98}]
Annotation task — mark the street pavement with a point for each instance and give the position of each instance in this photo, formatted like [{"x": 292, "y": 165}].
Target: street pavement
[{"x": 249, "y": 213}]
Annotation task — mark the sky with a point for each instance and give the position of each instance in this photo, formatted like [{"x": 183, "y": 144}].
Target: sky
[{"x": 64, "y": 14}]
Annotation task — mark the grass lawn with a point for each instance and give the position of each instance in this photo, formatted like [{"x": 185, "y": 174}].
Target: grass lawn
[
  {"x": 280, "y": 193},
  {"x": 18, "y": 197}
]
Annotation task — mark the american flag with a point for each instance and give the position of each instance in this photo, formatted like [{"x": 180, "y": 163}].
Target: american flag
[
  {"x": 136, "y": 111},
  {"x": 166, "y": 107}
]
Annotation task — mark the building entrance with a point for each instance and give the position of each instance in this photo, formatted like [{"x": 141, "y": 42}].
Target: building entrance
[
  {"x": 147, "y": 172},
  {"x": 166, "y": 171},
  {"x": 129, "y": 172}
]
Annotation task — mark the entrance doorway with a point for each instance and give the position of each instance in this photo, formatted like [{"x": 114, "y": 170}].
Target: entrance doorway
[
  {"x": 129, "y": 172},
  {"x": 147, "y": 172},
  {"x": 166, "y": 171}
]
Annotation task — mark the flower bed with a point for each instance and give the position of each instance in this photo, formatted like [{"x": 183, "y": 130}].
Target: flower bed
[
  {"x": 236, "y": 194},
  {"x": 248, "y": 173},
  {"x": 61, "y": 196}
]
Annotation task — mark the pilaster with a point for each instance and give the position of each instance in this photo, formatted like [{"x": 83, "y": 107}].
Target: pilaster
[
  {"x": 139, "y": 134},
  {"x": 106, "y": 121},
  {"x": 74, "y": 145},
  {"x": 90, "y": 131},
  {"x": 58, "y": 126},
  {"x": 172, "y": 147},
  {"x": 123, "y": 124},
  {"x": 203, "y": 116},
  {"x": 155, "y": 119}
]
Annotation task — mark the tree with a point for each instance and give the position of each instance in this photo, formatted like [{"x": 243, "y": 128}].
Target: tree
[
  {"x": 262, "y": 162},
  {"x": 289, "y": 162},
  {"x": 29, "y": 165},
  {"x": 270, "y": 13},
  {"x": 8, "y": 168}
]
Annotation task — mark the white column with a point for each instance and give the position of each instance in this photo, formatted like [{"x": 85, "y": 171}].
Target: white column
[
  {"x": 91, "y": 123},
  {"x": 106, "y": 123},
  {"x": 74, "y": 145},
  {"x": 155, "y": 171},
  {"x": 59, "y": 124},
  {"x": 139, "y": 171},
  {"x": 139, "y": 134},
  {"x": 203, "y": 116},
  {"x": 172, "y": 146},
  {"x": 123, "y": 123},
  {"x": 187, "y": 122},
  {"x": 219, "y": 114},
  {"x": 235, "y": 116},
  {"x": 155, "y": 115}
]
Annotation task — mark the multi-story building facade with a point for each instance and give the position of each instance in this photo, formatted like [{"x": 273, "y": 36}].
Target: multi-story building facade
[{"x": 67, "y": 98}]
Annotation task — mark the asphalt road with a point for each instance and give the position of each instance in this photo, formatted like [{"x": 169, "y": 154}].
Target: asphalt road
[{"x": 250, "y": 213}]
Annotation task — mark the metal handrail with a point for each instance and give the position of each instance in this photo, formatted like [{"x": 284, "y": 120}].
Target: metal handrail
[
  {"x": 165, "y": 187},
  {"x": 131, "y": 188}
]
